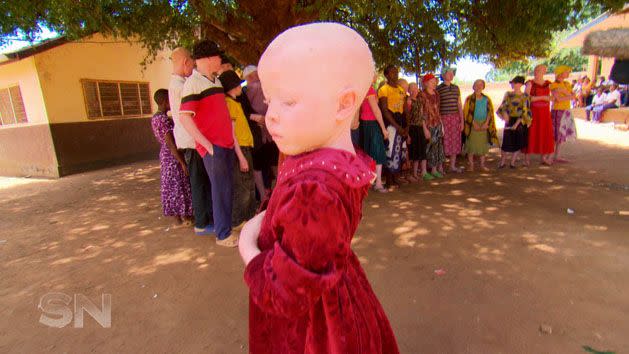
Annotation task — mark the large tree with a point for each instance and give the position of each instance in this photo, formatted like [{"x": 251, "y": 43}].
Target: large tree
[{"x": 418, "y": 35}]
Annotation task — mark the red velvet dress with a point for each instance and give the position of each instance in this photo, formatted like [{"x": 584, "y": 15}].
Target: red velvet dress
[
  {"x": 541, "y": 140},
  {"x": 308, "y": 292}
]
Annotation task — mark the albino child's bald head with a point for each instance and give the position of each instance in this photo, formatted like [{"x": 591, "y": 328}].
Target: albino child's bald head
[
  {"x": 331, "y": 52},
  {"x": 314, "y": 78}
]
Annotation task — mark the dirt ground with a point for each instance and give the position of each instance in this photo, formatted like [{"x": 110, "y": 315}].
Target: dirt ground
[{"x": 511, "y": 260}]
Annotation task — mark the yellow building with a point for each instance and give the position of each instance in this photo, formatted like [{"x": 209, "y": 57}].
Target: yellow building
[
  {"x": 598, "y": 66},
  {"x": 71, "y": 106}
]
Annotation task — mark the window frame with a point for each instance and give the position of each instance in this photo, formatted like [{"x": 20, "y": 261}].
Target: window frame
[
  {"x": 15, "y": 118},
  {"x": 118, "y": 83}
]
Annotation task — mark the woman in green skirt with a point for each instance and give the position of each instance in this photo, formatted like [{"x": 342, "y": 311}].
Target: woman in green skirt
[
  {"x": 480, "y": 126},
  {"x": 373, "y": 133}
]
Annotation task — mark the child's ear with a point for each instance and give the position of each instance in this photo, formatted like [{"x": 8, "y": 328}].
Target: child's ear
[{"x": 347, "y": 104}]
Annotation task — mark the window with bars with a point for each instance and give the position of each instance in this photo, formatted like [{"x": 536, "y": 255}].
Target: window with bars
[
  {"x": 12, "y": 109},
  {"x": 116, "y": 99}
]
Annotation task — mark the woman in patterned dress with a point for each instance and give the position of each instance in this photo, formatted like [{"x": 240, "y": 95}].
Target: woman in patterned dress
[
  {"x": 435, "y": 154},
  {"x": 564, "y": 128},
  {"x": 175, "y": 185},
  {"x": 516, "y": 112}
]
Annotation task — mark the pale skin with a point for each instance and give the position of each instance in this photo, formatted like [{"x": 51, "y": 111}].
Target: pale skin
[
  {"x": 538, "y": 72},
  {"x": 304, "y": 118},
  {"x": 182, "y": 62},
  {"x": 561, "y": 95},
  {"x": 447, "y": 79},
  {"x": 208, "y": 67},
  {"x": 182, "y": 65},
  {"x": 478, "y": 87},
  {"x": 517, "y": 89}
]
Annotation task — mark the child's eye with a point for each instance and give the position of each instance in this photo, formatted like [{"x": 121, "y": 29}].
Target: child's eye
[{"x": 289, "y": 103}]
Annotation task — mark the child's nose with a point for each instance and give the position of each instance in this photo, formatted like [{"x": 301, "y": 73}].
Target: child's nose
[{"x": 271, "y": 114}]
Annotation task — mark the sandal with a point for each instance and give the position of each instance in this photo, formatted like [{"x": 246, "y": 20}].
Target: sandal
[
  {"x": 501, "y": 166},
  {"x": 428, "y": 177},
  {"x": 208, "y": 230},
  {"x": 231, "y": 241},
  {"x": 456, "y": 170},
  {"x": 437, "y": 174},
  {"x": 380, "y": 189}
]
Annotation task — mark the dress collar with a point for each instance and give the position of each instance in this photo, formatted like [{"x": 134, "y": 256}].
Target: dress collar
[{"x": 355, "y": 171}]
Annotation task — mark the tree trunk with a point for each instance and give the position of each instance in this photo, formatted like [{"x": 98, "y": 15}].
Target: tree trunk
[{"x": 246, "y": 31}]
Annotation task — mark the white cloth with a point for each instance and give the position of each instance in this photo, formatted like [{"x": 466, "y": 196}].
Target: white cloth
[
  {"x": 183, "y": 140},
  {"x": 599, "y": 99},
  {"x": 615, "y": 96}
]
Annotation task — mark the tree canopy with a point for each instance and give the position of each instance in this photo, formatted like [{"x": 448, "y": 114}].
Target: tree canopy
[{"x": 417, "y": 35}]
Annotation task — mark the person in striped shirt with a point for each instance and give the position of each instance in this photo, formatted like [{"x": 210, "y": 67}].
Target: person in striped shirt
[
  {"x": 205, "y": 116},
  {"x": 452, "y": 117}
]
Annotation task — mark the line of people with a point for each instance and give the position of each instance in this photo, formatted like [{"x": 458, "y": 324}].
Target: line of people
[
  {"x": 427, "y": 128},
  {"x": 216, "y": 153}
]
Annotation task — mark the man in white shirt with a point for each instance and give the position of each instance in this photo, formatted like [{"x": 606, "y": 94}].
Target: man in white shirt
[
  {"x": 611, "y": 100},
  {"x": 199, "y": 180},
  {"x": 613, "y": 97},
  {"x": 597, "y": 100}
]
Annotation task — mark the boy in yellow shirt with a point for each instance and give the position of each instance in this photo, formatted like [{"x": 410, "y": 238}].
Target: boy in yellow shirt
[{"x": 244, "y": 187}]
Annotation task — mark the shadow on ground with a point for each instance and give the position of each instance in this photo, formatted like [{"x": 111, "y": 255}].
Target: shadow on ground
[{"x": 508, "y": 253}]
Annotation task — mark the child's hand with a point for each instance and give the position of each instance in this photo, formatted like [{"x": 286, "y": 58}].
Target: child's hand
[
  {"x": 244, "y": 166},
  {"x": 385, "y": 133},
  {"x": 248, "y": 242}
]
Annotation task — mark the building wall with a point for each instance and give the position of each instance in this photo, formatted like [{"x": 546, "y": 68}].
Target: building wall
[
  {"x": 60, "y": 70},
  {"x": 26, "y": 149},
  {"x": 24, "y": 74},
  {"x": 82, "y": 144}
]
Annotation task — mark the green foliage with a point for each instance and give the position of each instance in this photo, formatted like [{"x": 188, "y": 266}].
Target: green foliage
[
  {"x": 417, "y": 35},
  {"x": 571, "y": 57}
]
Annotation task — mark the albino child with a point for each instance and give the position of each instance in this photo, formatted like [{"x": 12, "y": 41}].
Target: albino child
[{"x": 308, "y": 292}]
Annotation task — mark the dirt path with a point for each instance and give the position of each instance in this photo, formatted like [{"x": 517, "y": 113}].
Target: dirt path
[{"x": 514, "y": 259}]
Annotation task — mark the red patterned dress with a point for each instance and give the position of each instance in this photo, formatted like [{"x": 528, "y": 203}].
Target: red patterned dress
[
  {"x": 541, "y": 140},
  {"x": 308, "y": 292}
]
